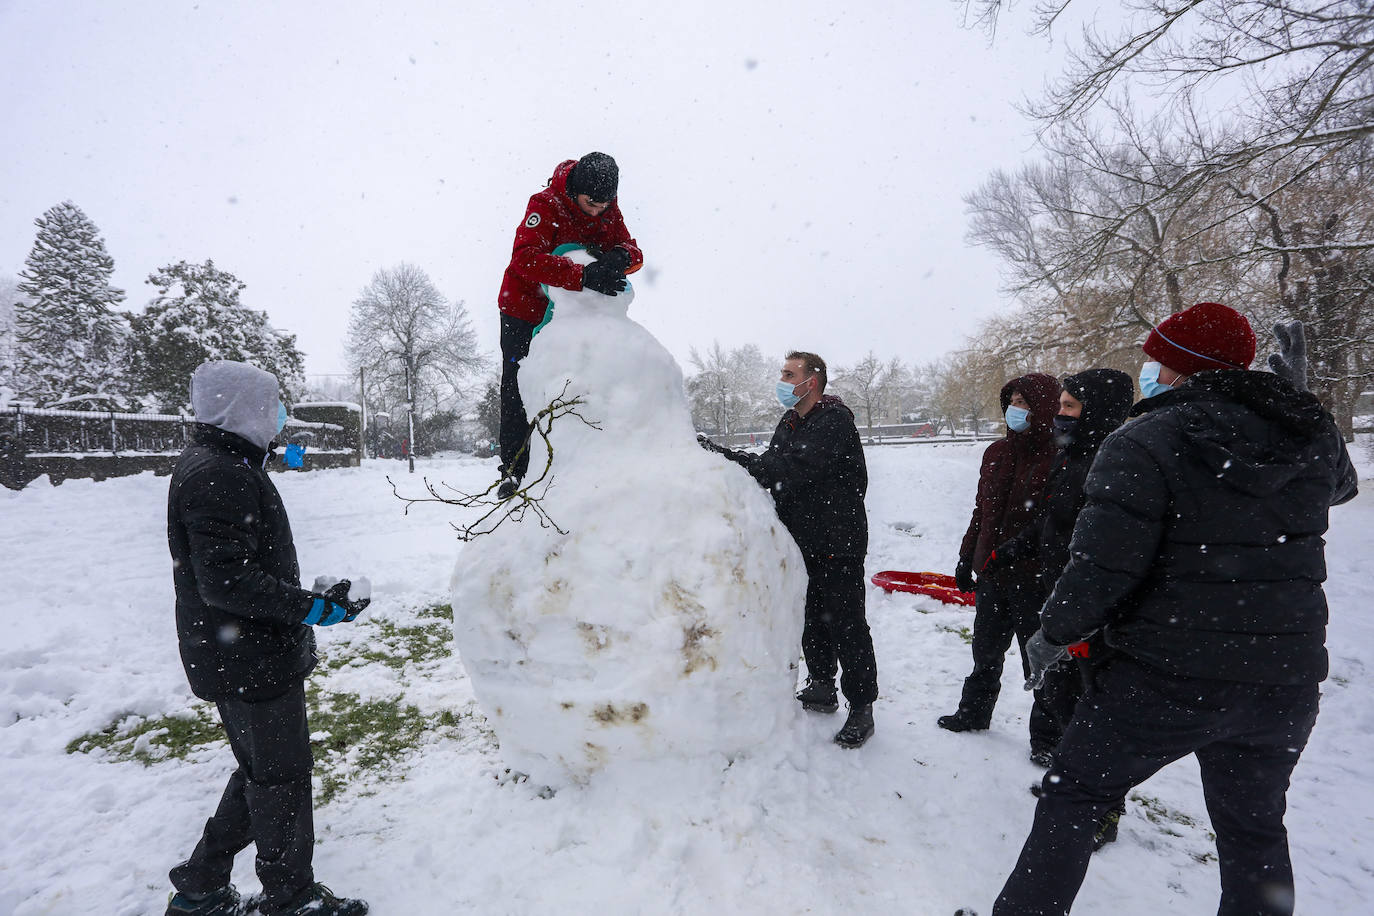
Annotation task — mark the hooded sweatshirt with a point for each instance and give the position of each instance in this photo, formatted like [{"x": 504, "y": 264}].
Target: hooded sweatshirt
[
  {"x": 1011, "y": 481},
  {"x": 237, "y": 398},
  {"x": 239, "y": 604}
]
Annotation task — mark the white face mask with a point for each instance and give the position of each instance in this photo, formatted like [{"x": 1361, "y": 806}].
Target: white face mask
[{"x": 1018, "y": 419}]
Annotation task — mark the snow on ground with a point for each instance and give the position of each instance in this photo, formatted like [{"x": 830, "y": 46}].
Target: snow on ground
[{"x": 919, "y": 821}]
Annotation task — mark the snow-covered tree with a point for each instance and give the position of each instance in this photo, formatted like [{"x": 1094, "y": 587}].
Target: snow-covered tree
[
  {"x": 10, "y": 297},
  {"x": 69, "y": 332},
  {"x": 196, "y": 316},
  {"x": 732, "y": 390},
  {"x": 403, "y": 328}
]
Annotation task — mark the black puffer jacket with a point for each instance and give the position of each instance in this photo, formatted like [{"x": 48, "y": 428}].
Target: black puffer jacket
[
  {"x": 814, "y": 467},
  {"x": 239, "y": 600},
  {"x": 1200, "y": 548},
  {"x": 1106, "y": 396}
]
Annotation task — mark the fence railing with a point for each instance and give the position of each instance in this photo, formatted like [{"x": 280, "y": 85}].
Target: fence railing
[{"x": 41, "y": 432}]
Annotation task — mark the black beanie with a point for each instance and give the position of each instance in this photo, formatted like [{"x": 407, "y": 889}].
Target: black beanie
[{"x": 595, "y": 175}]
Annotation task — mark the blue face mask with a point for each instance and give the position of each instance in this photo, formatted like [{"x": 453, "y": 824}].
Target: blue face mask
[
  {"x": 785, "y": 395},
  {"x": 1150, "y": 385},
  {"x": 1018, "y": 419},
  {"x": 281, "y": 416}
]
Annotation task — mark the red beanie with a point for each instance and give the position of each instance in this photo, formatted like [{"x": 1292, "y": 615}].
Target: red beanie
[{"x": 1207, "y": 336}]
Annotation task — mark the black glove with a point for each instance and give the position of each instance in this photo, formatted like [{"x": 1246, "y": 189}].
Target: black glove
[
  {"x": 1291, "y": 360},
  {"x": 602, "y": 277},
  {"x": 709, "y": 445},
  {"x": 1042, "y": 655},
  {"x": 963, "y": 576},
  {"x": 618, "y": 258}
]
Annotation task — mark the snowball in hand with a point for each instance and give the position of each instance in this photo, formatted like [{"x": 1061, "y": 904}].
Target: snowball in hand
[{"x": 666, "y": 623}]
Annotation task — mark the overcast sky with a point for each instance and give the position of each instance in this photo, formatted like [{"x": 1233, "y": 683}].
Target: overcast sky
[{"x": 792, "y": 170}]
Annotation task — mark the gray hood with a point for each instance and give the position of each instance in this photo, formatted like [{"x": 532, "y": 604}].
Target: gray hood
[{"x": 237, "y": 398}]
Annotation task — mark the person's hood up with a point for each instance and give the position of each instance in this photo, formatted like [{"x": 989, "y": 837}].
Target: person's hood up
[
  {"x": 1042, "y": 394},
  {"x": 1107, "y": 395},
  {"x": 237, "y": 398}
]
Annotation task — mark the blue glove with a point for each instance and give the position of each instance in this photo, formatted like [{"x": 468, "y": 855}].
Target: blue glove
[
  {"x": 334, "y": 606},
  {"x": 295, "y": 455}
]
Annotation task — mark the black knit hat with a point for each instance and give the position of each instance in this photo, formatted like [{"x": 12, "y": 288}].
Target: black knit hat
[{"x": 595, "y": 175}]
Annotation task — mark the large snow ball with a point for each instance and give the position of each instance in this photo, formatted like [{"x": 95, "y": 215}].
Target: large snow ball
[{"x": 666, "y": 621}]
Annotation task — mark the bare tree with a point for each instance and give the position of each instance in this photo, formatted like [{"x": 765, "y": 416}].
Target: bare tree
[
  {"x": 415, "y": 346},
  {"x": 863, "y": 385},
  {"x": 731, "y": 389}
]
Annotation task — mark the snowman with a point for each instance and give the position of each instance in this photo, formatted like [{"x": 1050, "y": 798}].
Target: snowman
[{"x": 660, "y": 618}]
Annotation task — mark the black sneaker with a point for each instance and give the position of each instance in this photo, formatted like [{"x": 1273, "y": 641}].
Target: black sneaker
[
  {"x": 1042, "y": 758},
  {"x": 858, "y": 728},
  {"x": 318, "y": 900},
  {"x": 507, "y": 488},
  {"x": 961, "y": 722},
  {"x": 222, "y": 902},
  {"x": 819, "y": 695}
]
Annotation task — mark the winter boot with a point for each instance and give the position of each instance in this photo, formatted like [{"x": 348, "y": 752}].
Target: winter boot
[
  {"x": 858, "y": 728},
  {"x": 1106, "y": 829},
  {"x": 962, "y": 721},
  {"x": 318, "y": 900},
  {"x": 1042, "y": 757},
  {"x": 819, "y": 695},
  {"x": 222, "y": 902},
  {"x": 508, "y": 487}
]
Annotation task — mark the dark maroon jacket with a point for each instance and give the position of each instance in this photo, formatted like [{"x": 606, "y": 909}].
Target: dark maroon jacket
[
  {"x": 553, "y": 219},
  {"x": 1011, "y": 482}
]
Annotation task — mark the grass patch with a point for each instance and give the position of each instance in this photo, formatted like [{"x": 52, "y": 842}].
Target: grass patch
[
  {"x": 354, "y": 740},
  {"x": 1156, "y": 812},
  {"x": 964, "y": 633}
]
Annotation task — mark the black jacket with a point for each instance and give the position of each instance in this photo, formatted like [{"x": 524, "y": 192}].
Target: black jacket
[
  {"x": 239, "y": 600},
  {"x": 1200, "y": 548},
  {"x": 814, "y": 467},
  {"x": 1106, "y": 397}
]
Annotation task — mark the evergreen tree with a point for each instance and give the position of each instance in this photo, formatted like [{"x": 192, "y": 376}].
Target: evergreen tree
[
  {"x": 69, "y": 334},
  {"x": 197, "y": 316}
]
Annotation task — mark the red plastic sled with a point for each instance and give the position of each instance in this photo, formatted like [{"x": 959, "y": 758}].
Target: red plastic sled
[{"x": 936, "y": 585}]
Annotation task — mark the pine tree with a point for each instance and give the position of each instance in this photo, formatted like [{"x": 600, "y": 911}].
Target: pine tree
[
  {"x": 69, "y": 334},
  {"x": 198, "y": 316}
]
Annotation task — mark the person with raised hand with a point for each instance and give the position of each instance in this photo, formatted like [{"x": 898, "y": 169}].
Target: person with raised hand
[{"x": 244, "y": 628}]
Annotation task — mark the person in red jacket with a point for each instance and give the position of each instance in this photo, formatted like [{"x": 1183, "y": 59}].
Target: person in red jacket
[
  {"x": 1011, "y": 491},
  {"x": 577, "y": 208}
]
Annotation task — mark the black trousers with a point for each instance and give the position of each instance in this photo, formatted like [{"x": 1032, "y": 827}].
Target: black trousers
[
  {"x": 1247, "y": 739},
  {"x": 836, "y": 633},
  {"x": 515, "y": 425},
  {"x": 1008, "y": 607},
  {"x": 267, "y": 801}
]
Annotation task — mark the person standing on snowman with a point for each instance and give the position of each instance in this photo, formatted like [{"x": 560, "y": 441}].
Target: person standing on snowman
[
  {"x": 577, "y": 208},
  {"x": 814, "y": 467}
]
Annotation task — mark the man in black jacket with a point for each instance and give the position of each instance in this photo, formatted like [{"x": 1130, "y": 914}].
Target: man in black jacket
[
  {"x": 1199, "y": 556},
  {"x": 814, "y": 467},
  {"x": 244, "y": 631}
]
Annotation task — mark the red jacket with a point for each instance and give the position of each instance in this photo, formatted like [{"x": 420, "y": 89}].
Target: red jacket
[
  {"x": 553, "y": 219},
  {"x": 1011, "y": 482}
]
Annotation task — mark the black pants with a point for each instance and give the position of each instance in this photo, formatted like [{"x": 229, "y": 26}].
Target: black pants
[
  {"x": 836, "y": 634},
  {"x": 515, "y": 425},
  {"x": 267, "y": 801},
  {"x": 1008, "y": 606},
  {"x": 1247, "y": 739}
]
